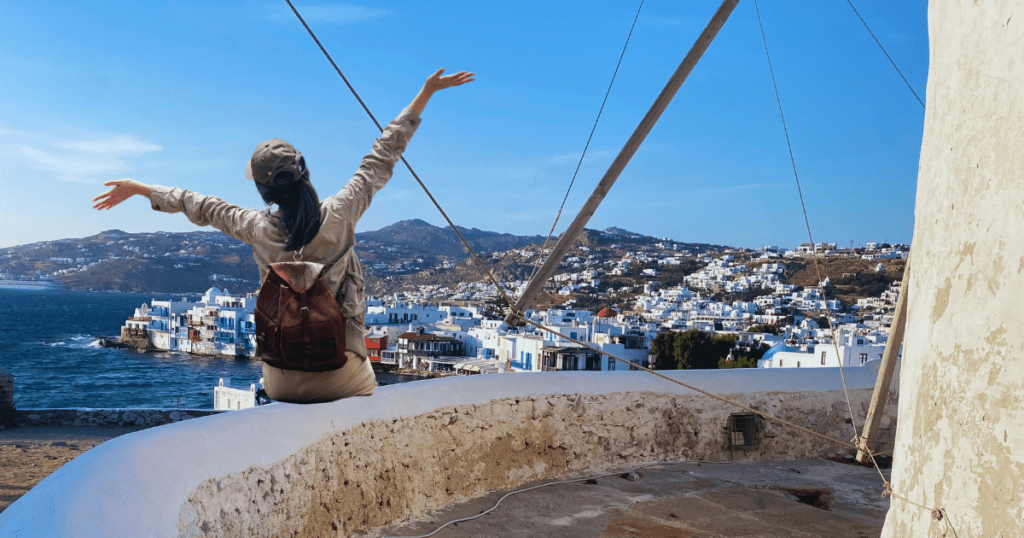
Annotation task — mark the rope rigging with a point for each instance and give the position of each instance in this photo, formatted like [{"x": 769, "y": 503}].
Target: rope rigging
[
  {"x": 937, "y": 513},
  {"x": 807, "y": 222},
  {"x": 405, "y": 162},
  {"x": 587, "y": 145},
  {"x": 905, "y": 81},
  {"x": 502, "y": 291},
  {"x": 517, "y": 314}
]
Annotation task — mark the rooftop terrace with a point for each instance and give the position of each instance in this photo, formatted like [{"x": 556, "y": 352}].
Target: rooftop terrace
[{"x": 363, "y": 463}]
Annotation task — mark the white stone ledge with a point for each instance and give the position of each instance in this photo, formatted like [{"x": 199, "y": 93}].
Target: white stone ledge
[{"x": 257, "y": 470}]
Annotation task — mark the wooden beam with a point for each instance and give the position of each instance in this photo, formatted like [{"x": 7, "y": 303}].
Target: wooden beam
[
  {"x": 880, "y": 397},
  {"x": 569, "y": 237}
]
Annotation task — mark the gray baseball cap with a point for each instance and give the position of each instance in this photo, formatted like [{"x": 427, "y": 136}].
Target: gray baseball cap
[{"x": 276, "y": 163}]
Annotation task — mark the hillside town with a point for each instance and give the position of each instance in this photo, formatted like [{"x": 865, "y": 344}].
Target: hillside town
[{"x": 439, "y": 329}]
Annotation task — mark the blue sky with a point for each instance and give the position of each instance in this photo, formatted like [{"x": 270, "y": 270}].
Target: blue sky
[{"x": 179, "y": 94}]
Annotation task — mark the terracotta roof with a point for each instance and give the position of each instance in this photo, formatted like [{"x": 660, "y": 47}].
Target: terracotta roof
[{"x": 606, "y": 312}]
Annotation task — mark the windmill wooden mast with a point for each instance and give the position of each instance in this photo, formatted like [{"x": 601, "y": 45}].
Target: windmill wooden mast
[{"x": 632, "y": 145}]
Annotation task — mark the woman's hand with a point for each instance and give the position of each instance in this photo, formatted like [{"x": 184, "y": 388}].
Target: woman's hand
[
  {"x": 122, "y": 190},
  {"x": 437, "y": 82}
]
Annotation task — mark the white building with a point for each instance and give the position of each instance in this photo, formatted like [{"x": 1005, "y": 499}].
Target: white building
[
  {"x": 218, "y": 324},
  {"x": 401, "y": 313},
  {"x": 853, "y": 350}
]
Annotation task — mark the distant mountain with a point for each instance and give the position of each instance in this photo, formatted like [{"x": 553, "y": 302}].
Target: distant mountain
[
  {"x": 160, "y": 262},
  {"x": 424, "y": 238},
  {"x": 409, "y": 252},
  {"x": 612, "y": 230}
]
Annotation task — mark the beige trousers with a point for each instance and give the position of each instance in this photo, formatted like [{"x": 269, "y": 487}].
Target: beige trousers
[{"x": 354, "y": 379}]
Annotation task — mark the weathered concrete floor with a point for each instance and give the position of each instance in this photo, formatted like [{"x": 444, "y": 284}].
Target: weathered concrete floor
[{"x": 680, "y": 500}]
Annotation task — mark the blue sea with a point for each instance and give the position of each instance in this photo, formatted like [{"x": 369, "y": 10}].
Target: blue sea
[{"x": 49, "y": 341}]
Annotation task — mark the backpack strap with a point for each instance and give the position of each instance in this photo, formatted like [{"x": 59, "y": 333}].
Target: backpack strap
[{"x": 304, "y": 309}]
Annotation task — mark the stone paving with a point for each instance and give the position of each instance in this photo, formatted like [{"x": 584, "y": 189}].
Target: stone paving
[{"x": 806, "y": 498}]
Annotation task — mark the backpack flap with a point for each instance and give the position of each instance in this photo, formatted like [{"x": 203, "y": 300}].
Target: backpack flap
[{"x": 299, "y": 276}]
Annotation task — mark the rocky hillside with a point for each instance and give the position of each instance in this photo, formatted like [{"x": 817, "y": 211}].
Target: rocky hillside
[
  {"x": 422, "y": 238},
  {"x": 406, "y": 254},
  {"x": 114, "y": 260}
]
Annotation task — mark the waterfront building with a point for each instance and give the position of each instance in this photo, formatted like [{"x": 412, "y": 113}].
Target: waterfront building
[{"x": 218, "y": 324}]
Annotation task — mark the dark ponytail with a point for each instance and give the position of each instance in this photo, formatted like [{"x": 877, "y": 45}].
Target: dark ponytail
[{"x": 300, "y": 210}]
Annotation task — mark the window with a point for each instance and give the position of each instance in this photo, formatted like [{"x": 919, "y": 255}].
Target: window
[
  {"x": 823, "y": 353},
  {"x": 860, "y": 341},
  {"x": 797, "y": 364},
  {"x": 780, "y": 363},
  {"x": 863, "y": 358}
]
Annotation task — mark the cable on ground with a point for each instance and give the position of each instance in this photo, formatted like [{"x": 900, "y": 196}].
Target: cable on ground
[{"x": 531, "y": 488}]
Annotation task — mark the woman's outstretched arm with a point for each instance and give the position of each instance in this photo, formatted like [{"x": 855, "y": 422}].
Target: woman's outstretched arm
[
  {"x": 437, "y": 82},
  {"x": 122, "y": 190},
  {"x": 235, "y": 221},
  {"x": 376, "y": 169}
]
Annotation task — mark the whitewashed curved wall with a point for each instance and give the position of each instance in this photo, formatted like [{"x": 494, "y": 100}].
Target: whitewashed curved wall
[
  {"x": 360, "y": 463},
  {"x": 960, "y": 443}
]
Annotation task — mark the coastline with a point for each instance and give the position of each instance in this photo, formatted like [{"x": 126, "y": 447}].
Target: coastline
[
  {"x": 31, "y": 285},
  {"x": 105, "y": 417},
  {"x": 53, "y": 285}
]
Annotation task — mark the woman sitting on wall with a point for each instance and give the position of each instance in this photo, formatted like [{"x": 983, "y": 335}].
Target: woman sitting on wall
[{"x": 303, "y": 225}]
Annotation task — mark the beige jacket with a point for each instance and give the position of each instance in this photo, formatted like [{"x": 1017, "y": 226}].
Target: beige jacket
[{"x": 333, "y": 246}]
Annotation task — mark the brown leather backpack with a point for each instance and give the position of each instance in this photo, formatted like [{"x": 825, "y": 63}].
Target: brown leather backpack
[{"x": 299, "y": 324}]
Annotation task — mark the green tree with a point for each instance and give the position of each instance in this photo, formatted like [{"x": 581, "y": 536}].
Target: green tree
[
  {"x": 696, "y": 350},
  {"x": 699, "y": 350},
  {"x": 661, "y": 347}
]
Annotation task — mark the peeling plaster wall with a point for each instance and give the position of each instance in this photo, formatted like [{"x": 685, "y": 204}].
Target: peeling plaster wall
[
  {"x": 960, "y": 441},
  {"x": 331, "y": 469},
  {"x": 383, "y": 472}
]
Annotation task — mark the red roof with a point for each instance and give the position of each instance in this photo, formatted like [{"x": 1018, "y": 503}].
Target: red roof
[{"x": 606, "y": 312}]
